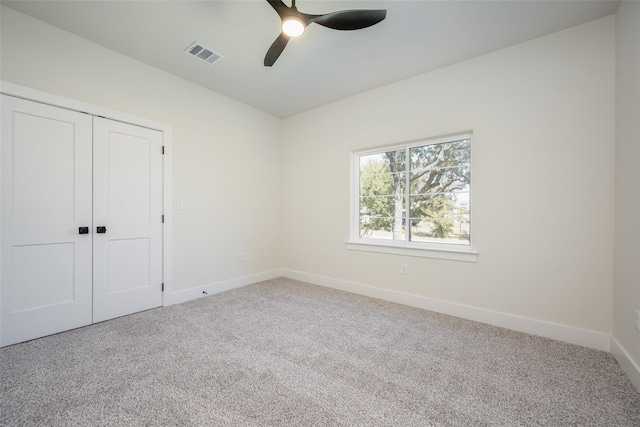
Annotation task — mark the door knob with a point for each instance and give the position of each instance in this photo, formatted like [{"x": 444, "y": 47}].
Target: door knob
[
  {"x": 83, "y": 230},
  {"x": 101, "y": 229}
]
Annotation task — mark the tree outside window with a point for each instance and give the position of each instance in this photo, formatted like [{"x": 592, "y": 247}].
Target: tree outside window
[{"x": 417, "y": 193}]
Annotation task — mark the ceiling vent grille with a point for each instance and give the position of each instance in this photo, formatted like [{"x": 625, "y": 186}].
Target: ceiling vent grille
[{"x": 203, "y": 53}]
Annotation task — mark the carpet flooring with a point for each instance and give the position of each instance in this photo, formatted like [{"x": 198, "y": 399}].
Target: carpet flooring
[{"x": 286, "y": 353}]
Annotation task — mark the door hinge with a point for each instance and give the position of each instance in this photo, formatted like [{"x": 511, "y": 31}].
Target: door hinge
[
  {"x": 163, "y": 218},
  {"x": 163, "y": 287},
  {"x": 163, "y": 149}
]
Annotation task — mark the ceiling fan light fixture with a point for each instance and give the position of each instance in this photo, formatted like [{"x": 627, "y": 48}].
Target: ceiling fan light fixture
[
  {"x": 294, "y": 24},
  {"x": 293, "y": 27}
]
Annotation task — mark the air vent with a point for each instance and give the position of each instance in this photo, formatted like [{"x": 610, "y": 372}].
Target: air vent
[{"x": 203, "y": 53}]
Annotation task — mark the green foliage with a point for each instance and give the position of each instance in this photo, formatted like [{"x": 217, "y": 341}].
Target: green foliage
[
  {"x": 376, "y": 196},
  {"x": 439, "y": 209},
  {"x": 442, "y": 229}
]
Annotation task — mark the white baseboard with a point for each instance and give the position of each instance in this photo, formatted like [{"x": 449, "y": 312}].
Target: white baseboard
[
  {"x": 586, "y": 338},
  {"x": 625, "y": 361},
  {"x": 221, "y": 286}
]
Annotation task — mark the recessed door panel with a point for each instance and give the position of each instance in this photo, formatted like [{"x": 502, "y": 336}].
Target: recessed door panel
[
  {"x": 43, "y": 172},
  {"x": 43, "y": 276},
  {"x": 129, "y": 265},
  {"x": 46, "y": 158},
  {"x": 129, "y": 175},
  {"x": 127, "y": 196}
]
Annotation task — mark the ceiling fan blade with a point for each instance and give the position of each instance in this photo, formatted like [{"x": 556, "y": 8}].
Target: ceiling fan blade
[
  {"x": 276, "y": 49},
  {"x": 348, "y": 19},
  {"x": 279, "y": 7}
]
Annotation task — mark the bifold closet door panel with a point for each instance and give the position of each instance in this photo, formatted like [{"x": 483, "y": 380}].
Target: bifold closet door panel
[
  {"x": 127, "y": 197},
  {"x": 46, "y": 158}
]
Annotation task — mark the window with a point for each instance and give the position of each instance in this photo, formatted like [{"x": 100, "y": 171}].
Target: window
[{"x": 415, "y": 196}]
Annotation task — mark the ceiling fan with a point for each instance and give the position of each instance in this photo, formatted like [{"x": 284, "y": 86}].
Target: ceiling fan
[{"x": 294, "y": 23}]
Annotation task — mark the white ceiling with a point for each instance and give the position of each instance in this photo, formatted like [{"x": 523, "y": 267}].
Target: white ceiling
[{"x": 323, "y": 65}]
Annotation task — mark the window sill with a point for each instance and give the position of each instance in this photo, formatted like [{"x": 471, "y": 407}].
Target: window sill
[{"x": 448, "y": 253}]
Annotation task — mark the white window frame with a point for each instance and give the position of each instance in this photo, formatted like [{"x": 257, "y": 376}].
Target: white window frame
[{"x": 405, "y": 247}]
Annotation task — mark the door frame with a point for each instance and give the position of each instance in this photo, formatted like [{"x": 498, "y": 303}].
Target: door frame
[{"x": 11, "y": 89}]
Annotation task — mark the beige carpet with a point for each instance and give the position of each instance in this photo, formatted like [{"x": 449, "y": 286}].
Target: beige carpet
[{"x": 287, "y": 353}]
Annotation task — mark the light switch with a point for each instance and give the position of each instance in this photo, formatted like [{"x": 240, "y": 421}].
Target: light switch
[{"x": 180, "y": 204}]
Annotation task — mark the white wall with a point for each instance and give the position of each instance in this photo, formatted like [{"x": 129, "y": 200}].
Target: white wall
[
  {"x": 542, "y": 114},
  {"x": 226, "y": 155},
  {"x": 626, "y": 291}
]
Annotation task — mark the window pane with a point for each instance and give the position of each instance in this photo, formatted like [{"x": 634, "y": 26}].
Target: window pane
[
  {"x": 452, "y": 230},
  {"x": 439, "y": 198},
  {"x": 440, "y": 217},
  {"x": 441, "y": 168},
  {"x": 382, "y": 195},
  {"x": 382, "y": 228}
]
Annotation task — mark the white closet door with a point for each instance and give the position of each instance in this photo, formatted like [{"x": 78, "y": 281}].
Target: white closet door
[
  {"x": 46, "y": 198},
  {"x": 127, "y": 202}
]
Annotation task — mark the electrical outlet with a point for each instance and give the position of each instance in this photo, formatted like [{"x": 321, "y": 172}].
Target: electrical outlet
[
  {"x": 243, "y": 257},
  {"x": 404, "y": 268},
  {"x": 637, "y": 320}
]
